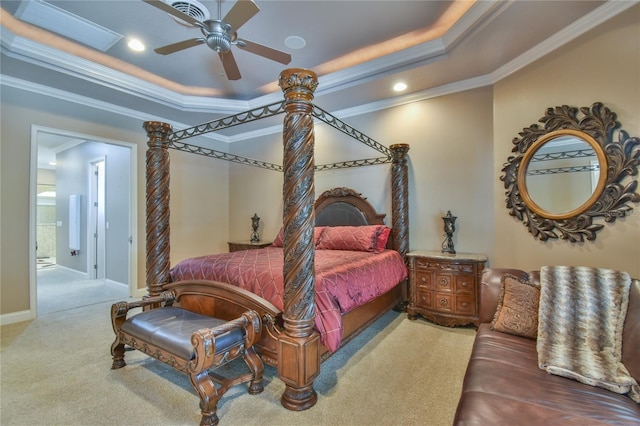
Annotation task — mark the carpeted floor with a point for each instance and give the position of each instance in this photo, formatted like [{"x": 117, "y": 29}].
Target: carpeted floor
[
  {"x": 59, "y": 289},
  {"x": 56, "y": 371}
]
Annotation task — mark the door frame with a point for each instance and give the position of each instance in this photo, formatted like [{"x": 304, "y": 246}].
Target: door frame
[
  {"x": 96, "y": 262},
  {"x": 33, "y": 178}
]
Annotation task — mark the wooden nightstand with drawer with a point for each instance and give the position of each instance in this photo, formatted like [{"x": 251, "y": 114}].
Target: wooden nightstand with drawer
[
  {"x": 247, "y": 245},
  {"x": 443, "y": 287}
]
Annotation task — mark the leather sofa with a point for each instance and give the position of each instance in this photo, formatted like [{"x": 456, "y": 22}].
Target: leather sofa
[{"x": 503, "y": 384}]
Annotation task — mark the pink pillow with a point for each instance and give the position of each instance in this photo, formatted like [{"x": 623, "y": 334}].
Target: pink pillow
[
  {"x": 383, "y": 237},
  {"x": 279, "y": 240},
  {"x": 355, "y": 238}
]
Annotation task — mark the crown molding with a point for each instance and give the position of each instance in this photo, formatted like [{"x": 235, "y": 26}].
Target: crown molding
[
  {"x": 40, "y": 54},
  {"x": 64, "y": 95},
  {"x": 417, "y": 55},
  {"x": 332, "y": 82},
  {"x": 478, "y": 16},
  {"x": 47, "y": 57},
  {"x": 608, "y": 10}
]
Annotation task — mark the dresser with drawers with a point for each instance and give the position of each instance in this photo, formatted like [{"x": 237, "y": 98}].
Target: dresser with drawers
[{"x": 443, "y": 288}]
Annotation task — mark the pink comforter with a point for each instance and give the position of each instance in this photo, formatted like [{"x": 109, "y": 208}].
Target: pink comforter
[{"x": 344, "y": 280}]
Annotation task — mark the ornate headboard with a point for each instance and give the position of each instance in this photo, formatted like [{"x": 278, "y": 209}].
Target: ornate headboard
[{"x": 346, "y": 207}]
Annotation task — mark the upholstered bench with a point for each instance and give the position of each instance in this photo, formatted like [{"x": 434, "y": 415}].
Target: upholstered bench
[{"x": 192, "y": 343}]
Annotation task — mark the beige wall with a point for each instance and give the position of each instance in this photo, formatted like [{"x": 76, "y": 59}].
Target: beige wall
[
  {"x": 199, "y": 200},
  {"x": 199, "y": 205},
  {"x": 449, "y": 169},
  {"x": 254, "y": 190},
  {"x": 603, "y": 65}
]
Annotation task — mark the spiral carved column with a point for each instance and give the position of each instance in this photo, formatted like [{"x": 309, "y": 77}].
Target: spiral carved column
[
  {"x": 298, "y": 354},
  {"x": 158, "y": 249},
  {"x": 400, "y": 204}
]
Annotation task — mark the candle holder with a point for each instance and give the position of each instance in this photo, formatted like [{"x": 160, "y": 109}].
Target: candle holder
[
  {"x": 449, "y": 229},
  {"x": 255, "y": 223}
]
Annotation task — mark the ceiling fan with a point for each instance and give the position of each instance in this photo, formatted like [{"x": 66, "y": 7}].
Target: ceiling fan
[{"x": 220, "y": 34}]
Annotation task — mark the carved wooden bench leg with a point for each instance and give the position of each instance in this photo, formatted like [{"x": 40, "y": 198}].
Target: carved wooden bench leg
[
  {"x": 209, "y": 397},
  {"x": 255, "y": 364},
  {"x": 118, "y": 315},
  {"x": 192, "y": 343}
]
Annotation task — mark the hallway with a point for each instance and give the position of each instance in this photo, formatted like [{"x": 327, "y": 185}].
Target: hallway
[{"x": 60, "y": 289}]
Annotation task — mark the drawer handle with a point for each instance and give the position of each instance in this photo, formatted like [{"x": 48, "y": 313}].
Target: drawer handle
[
  {"x": 464, "y": 304},
  {"x": 443, "y": 301},
  {"x": 464, "y": 284},
  {"x": 423, "y": 279},
  {"x": 443, "y": 281},
  {"x": 424, "y": 298}
]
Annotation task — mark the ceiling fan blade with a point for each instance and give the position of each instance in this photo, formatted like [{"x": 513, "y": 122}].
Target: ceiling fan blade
[
  {"x": 181, "y": 45},
  {"x": 267, "y": 52},
  {"x": 230, "y": 65},
  {"x": 240, "y": 13},
  {"x": 173, "y": 11}
]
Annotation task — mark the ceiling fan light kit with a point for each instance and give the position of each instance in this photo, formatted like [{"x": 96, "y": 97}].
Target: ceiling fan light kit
[{"x": 219, "y": 34}]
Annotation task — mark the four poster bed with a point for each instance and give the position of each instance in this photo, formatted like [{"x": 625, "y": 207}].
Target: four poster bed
[{"x": 306, "y": 312}]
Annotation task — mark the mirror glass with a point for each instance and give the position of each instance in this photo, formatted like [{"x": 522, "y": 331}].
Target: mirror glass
[{"x": 562, "y": 174}]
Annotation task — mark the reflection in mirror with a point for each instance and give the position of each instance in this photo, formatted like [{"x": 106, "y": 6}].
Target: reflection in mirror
[
  {"x": 571, "y": 170},
  {"x": 562, "y": 174}
]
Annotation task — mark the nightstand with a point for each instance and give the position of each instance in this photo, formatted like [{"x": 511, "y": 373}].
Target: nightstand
[
  {"x": 443, "y": 287},
  {"x": 247, "y": 245}
]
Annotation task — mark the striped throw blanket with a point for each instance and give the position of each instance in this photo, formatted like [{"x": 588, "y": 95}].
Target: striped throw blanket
[{"x": 581, "y": 317}]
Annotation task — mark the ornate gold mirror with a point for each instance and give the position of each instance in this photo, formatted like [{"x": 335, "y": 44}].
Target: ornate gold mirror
[{"x": 570, "y": 171}]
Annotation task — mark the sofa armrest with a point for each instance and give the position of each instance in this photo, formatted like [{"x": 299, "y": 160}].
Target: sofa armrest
[{"x": 490, "y": 284}]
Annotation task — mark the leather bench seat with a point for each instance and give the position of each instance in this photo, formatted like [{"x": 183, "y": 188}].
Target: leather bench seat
[
  {"x": 171, "y": 328},
  {"x": 190, "y": 342},
  {"x": 503, "y": 385}
]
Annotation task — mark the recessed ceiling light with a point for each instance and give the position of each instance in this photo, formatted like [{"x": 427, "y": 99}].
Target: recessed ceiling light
[
  {"x": 295, "y": 42},
  {"x": 136, "y": 45},
  {"x": 399, "y": 87}
]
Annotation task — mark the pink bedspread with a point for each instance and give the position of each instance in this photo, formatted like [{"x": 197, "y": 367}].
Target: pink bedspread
[{"x": 344, "y": 280}]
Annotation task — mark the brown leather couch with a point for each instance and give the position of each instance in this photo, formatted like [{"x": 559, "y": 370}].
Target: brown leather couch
[{"x": 503, "y": 384}]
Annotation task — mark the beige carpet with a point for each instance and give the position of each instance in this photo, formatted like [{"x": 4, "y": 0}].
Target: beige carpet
[{"x": 56, "y": 371}]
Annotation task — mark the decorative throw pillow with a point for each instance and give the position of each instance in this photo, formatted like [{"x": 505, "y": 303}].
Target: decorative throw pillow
[
  {"x": 383, "y": 237},
  {"x": 355, "y": 238},
  {"x": 517, "y": 311},
  {"x": 279, "y": 240}
]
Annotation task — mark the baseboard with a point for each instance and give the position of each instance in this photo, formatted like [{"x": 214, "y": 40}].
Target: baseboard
[
  {"x": 15, "y": 317},
  {"x": 84, "y": 274}
]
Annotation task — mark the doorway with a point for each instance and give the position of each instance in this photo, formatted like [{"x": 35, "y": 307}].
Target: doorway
[{"x": 103, "y": 268}]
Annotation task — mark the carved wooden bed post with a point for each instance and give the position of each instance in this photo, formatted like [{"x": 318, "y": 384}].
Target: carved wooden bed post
[
  {"x": 158, "y": 249},
  {"x": 299, "y": 345},
  {"x": 400, "y": 204},
  {"x": 400, "y": 199}
]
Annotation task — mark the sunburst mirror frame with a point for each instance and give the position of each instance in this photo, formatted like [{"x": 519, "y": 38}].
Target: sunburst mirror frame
[{"x": 598, "y": 126}]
